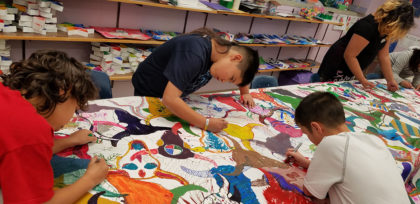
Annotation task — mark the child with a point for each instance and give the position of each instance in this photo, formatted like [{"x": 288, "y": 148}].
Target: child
[
  {"x": 40, "y": 95},
  {"x": 184, "y": 64},
  {"x": 367, "y": 38},
  {"x": 351, "y": 167},
  {"x": 406, "y": 64}
]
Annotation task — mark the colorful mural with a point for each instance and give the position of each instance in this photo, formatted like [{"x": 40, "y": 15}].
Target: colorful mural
[{"x": 156, "y": 157}]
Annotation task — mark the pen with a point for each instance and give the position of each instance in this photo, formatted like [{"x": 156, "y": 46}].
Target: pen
[
  {"x": 294, "y": 150},
  {"x": 297, "y": 147}
]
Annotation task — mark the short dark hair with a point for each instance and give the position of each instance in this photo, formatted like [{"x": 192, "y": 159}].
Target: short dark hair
[
  {"x": 251, "y": 61},
  {"x": 320, "y": 107},
  {"x": 249, "y": 64},
  {"x": 414, "y": 60},
  {"x": 45, "y": 74}
]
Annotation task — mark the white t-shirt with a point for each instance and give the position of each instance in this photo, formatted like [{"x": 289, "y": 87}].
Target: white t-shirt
[{"x": 355, "y": 168}]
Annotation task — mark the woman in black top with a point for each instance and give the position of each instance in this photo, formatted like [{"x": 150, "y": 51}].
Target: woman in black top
[{"x": 367, "y": 38}]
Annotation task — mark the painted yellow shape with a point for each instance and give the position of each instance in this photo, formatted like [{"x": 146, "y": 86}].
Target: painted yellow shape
[
  {"x": 160, "y": 143},
  {"x": 101, "y": 200},
  {"x": 156, "y": 109},
  {"x": 198, "y": 149},
  {"x": 244, "y": 133}
]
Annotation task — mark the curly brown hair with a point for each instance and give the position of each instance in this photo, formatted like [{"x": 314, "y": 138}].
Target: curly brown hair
[{"x": 52, "y": 77}]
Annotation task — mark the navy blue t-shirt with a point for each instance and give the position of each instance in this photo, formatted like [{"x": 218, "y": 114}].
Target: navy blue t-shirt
[
  {"x": 334, "y": 66},
  {"x": 185, "y": 61}
]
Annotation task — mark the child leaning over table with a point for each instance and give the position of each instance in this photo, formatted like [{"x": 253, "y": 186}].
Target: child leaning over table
[
  {"x": 350, "y": 167},
  {"x": 40, "y": 95}
]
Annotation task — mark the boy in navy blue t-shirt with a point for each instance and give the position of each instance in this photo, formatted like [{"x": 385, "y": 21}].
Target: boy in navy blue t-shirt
[{"x": 186, "y": 63}]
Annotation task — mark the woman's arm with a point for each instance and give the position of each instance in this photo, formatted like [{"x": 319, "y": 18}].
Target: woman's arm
[
  {"x": 172, "y": 100},
  {"x": 385, "y": 62},
  {"x": 354, "y": 47}
]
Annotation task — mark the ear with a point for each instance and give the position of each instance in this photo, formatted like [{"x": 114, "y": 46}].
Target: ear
[
  {"x": 317, "y": 128},
  {"x": 236, "y": 57}
]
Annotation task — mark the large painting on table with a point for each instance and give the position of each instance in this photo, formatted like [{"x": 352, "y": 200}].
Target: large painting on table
[{"x": 155, "y": 157}]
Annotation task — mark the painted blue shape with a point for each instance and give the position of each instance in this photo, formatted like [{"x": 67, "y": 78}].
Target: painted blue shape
[
  {"x": 410, "y": 118},
  {"x": 62, "y": 165},
  {"x": 215, "y": 142},
  {"x": 130, "y": 166},
  {"x": 406, "y": 170},
  {"x": 241, "y": 182},
  {"x": 137, "y": 146},
  {"x": 392, "y": 135},
  {"x": 397, "y": 106},
  {"x": 169, "y": 151},
  {"x": 150, "y": 166}
]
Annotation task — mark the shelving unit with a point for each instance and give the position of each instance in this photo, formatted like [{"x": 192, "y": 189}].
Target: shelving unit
[
  {"x": 238, "y": 13},
  {"x": 63, "y": 37},
  {"x": 289, "y": 69}
]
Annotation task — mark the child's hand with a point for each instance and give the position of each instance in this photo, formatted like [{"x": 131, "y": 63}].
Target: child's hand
[
  {"x": 418, "y": 87},
  {"x": 97, "y": 170},
  {"x": 82, "y": 137},
  {"x": 247, "y": 100},
  {"x": 217, "y": 124},
  {"x": 297, "y": 158},
  {"x": 406, "y": 84}
]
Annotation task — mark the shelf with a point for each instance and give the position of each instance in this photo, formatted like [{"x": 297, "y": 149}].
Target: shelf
[
  {"x": 62, "y": 36},
  {"x": 289, "y": 69},
  {"x": 121, "y": 77},
  {"x": 284, "y": 45},
  {"x": 169, "y": 6}
]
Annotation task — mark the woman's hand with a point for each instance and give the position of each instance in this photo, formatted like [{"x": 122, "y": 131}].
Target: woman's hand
[
  {"x": 367, "y": 84},
  {"x": 247, "y": 100},
  {"x": 392, "y": 86}
]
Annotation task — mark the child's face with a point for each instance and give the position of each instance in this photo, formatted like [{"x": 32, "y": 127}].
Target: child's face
[
  {"x": 226, "y": 70},
  {"x": 62, "y": 114}
]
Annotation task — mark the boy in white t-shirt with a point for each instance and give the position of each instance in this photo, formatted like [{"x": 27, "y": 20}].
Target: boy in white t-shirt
[{"x": 351, "y": 167}]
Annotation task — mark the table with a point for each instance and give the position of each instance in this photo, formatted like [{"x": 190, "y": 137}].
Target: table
[{"x": 156, "y": 157}]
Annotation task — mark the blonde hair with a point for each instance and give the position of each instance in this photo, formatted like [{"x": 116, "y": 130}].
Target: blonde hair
[{"x": 395, "y": 18}]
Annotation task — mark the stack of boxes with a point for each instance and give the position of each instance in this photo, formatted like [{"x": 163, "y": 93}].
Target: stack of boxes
[
  {"x": 5, "y": 60},
  {"x": 37, "y": 16},
  {"x": 76, "y": 29},
  {"x": 7, "y": 16},
  {"x": 117, "y": 58}
]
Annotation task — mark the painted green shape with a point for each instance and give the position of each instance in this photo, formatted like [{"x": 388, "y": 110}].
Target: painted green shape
[
  {"x": 185, "y": 125},
  {"x": 287, "y": 99},
  {"x": 196, "y": 108},
  {"x": 413, "y": 141},
  {"x": 108, "y": 193},
  {"x": 376, "y": 115},
  {"x": 398, "y": 148},
  {"x": 146, "y": 110},
  {"x": 312, "y": 147},
  {"x": 336, "y": 95},
  {"x": 180, "y": 191}
]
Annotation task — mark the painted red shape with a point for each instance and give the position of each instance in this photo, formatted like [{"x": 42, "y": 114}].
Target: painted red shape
[{"x": 142, "y": 173}]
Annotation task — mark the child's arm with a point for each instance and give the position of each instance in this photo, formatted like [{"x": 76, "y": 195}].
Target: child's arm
[
  {"x": 246, "y": 98},
  {"x": 95, "y": 173},
  {"x": 172, "y": 100},
  {"x": 79, "y": 137}
]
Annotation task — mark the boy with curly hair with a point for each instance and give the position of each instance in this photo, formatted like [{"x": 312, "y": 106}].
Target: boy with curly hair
[{"x": 39, "y": 96}]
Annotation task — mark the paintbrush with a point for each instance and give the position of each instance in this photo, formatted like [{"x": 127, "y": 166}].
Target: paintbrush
[{"x": 294, "y": 150}]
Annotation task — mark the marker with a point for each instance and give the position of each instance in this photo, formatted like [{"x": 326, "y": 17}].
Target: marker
[{"x": 294, "y": 150}]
